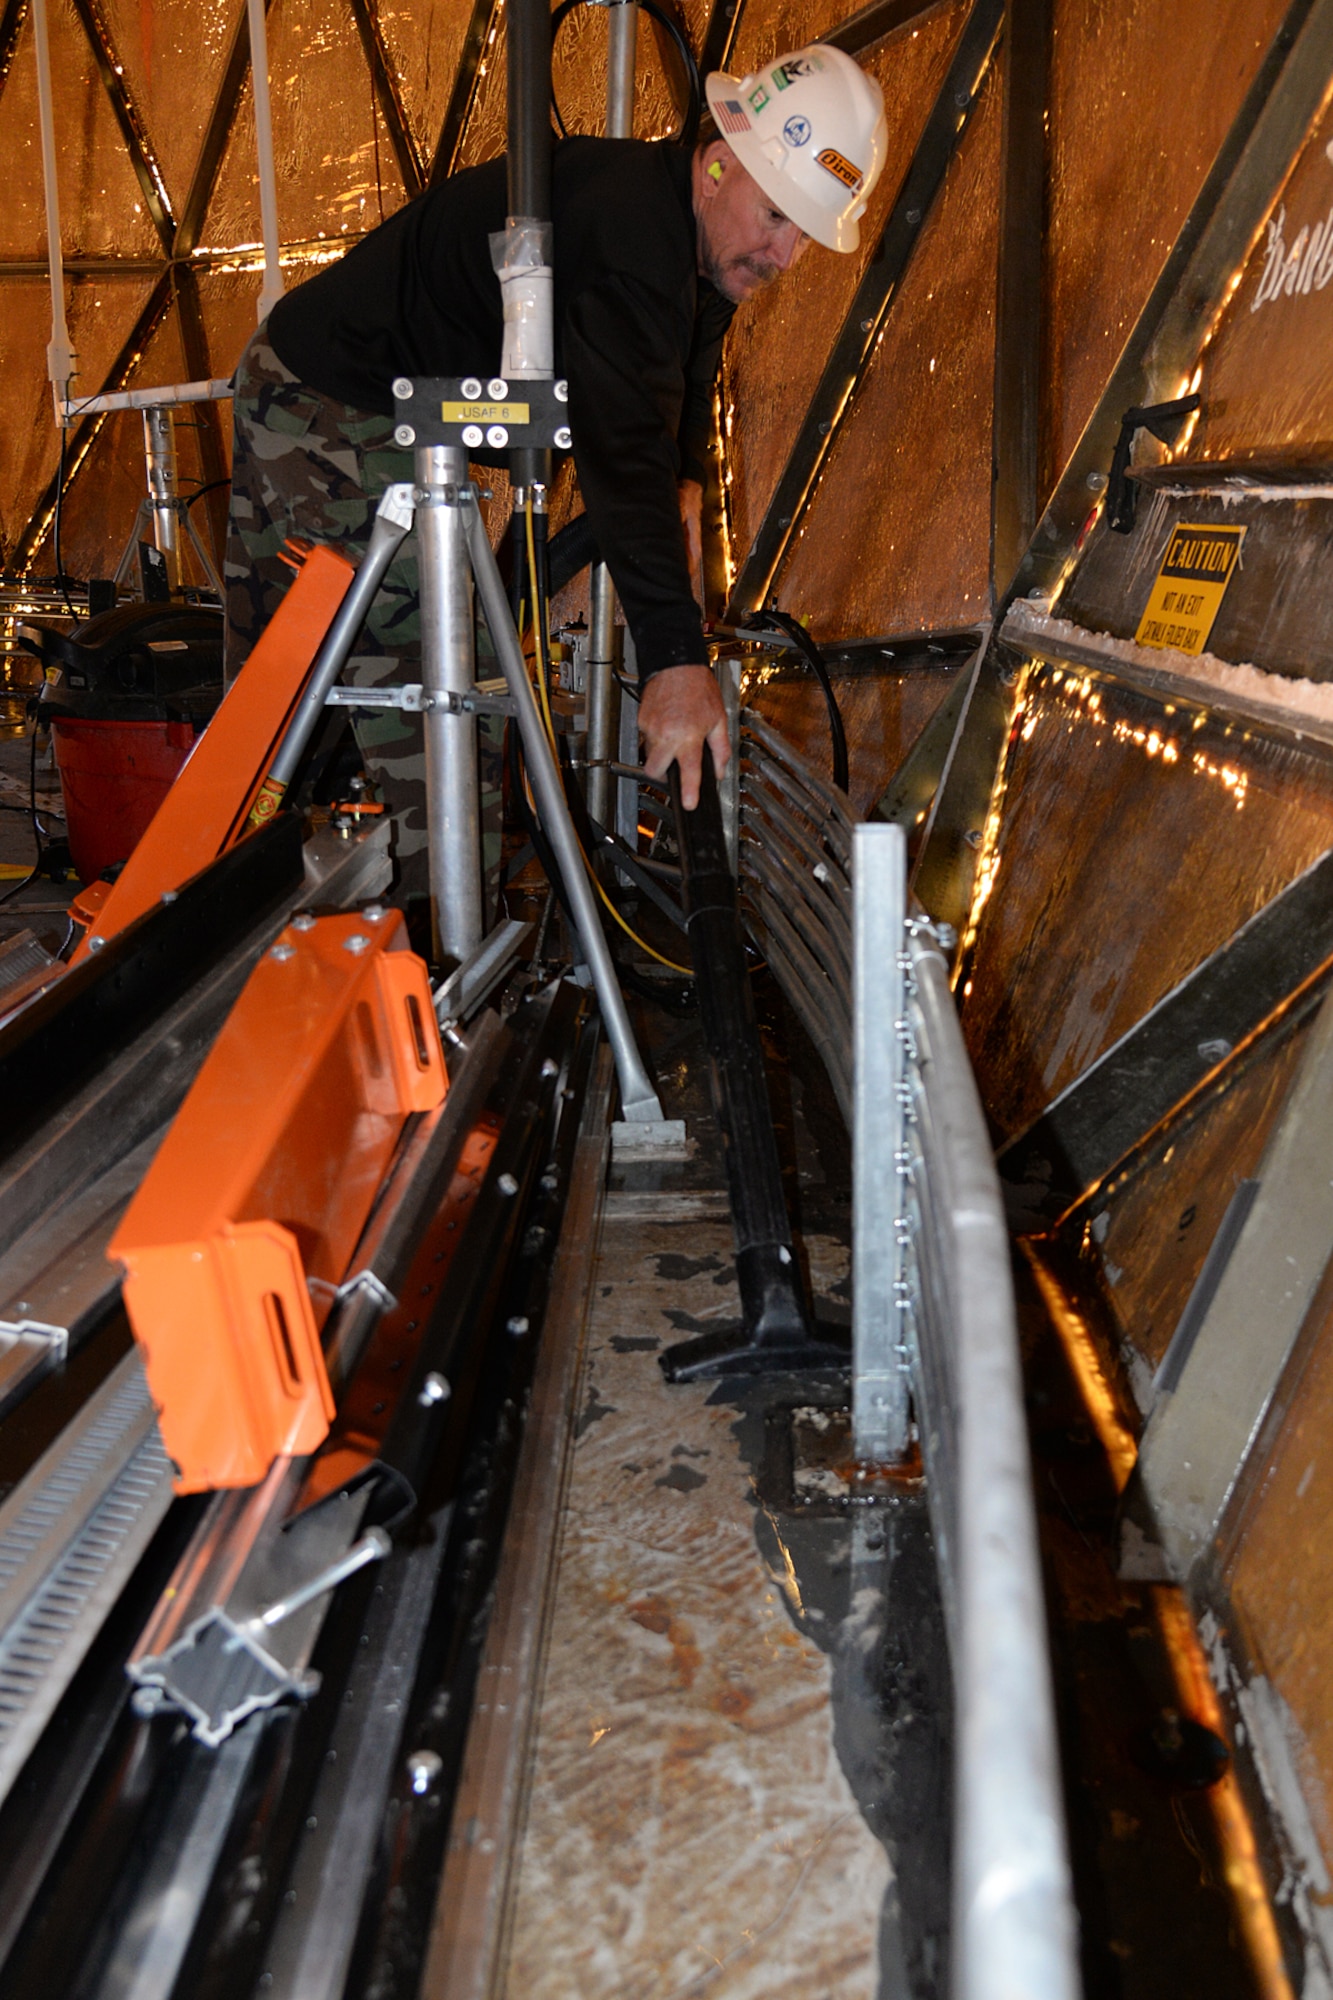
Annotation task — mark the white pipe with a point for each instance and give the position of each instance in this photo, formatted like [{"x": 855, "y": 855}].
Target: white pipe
[
  {"x": 59, "y": 354},
  {"x": 157, "y": 398},
  {"x": 271, "y": 291}
]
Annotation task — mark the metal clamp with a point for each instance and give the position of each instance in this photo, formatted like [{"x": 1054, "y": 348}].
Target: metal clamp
[{"x": 412, "y": 698}]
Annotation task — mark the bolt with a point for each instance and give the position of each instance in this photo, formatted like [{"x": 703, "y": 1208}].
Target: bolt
[
  {"x": 282, "y": 952},
  {"x": 550, "y": 1067},
  {"x": 507, "y": 1184},
  {"x": 404, "y": 435},
  {"x": 373, "y": 913},
  {"x": 423, "y": 1768},
  {"x": 914, "y": 215},
  {"x": 518, "y": 1326},
  {"x": 356, "y": 942},
  {"x": 866, "y": 325},
  {"x": 1096, "y": 481},
  {"x": 169, "y": 895},
  {"x": 434, "y": 1390},
  {"x": 96, "y": 943},
  {"x": 402, "y": 389},
  {"x": 304, "y": 920}
]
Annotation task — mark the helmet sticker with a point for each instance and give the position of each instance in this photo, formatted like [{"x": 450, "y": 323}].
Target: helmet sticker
[
  {"x": 758, "y": 98},
  {"x": 796, "y": 131},
  {"x": 788, "y": 72},
  {"x": 841, "y": 169},
  {"x": 730, "y": 115}
]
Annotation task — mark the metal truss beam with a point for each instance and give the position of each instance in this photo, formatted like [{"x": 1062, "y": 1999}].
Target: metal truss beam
[
  {"x": 209, "y": 162},
  {"x": 1264, "y": 969},
  {"x": 482, "y": 29},
  {"x": 856, "y": 343},
  {"x": 388, "y": 96},
  {"x": 1018, "y": 314},
  {"x": 132, "y": 129},
  {"x": 12, "y": 17}
]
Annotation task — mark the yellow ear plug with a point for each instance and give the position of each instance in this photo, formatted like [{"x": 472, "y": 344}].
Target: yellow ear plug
[{"x": 715, "y": 171}]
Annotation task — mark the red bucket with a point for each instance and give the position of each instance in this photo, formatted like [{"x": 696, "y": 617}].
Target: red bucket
[{"x": 114, "y": 776}]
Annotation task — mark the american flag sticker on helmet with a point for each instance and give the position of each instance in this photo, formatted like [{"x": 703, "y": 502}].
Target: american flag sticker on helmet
[{"x": 732, "y": 117}]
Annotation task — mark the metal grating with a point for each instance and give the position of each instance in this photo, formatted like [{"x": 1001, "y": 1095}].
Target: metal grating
[{"x": 69, "y": 1538}]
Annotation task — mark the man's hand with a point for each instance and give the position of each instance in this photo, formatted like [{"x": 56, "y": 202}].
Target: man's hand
[{"x": 679, "y": 712}]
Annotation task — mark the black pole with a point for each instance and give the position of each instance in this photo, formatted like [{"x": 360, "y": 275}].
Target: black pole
[
  {"x": 529, "y": 184},
  {"x": 777, "y": 1331}
]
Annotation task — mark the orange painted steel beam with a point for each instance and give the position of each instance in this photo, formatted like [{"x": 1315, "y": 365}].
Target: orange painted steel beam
[
  {"x": 205, "y": 811},
  {"x": 244, "y": 1227}
]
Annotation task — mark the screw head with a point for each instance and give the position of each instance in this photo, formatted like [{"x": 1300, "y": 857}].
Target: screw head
[
  {"x": 282, "y": 952},
  {"x": 423, "y": 1768},
  {"x": 304, "y": 920},
  {"x": 914, "y": 216},
  {"x": 402, "y": 389},
  {"x": 550, "y": 1067},
  {"x": 404, "y": 434},
  {"x": 170, "y": 895},
  {"x": 472, "y": 435},
  {"x": 96, "y": 943},
  {"x": 357, "y": 942},
  {"x": 433, "y": 1390},
  {"x": 562, "y": 392},
  {"x": 497, "y": 389},
  {"x": 564, "y": 438},
  {"x": 470, "y": 389},
  {"x": 497, "y": 437},
  {"x": 373, "y": 913},
  {"x": 518, "y": 1326},
  {"x": 507, "y": 1184}
]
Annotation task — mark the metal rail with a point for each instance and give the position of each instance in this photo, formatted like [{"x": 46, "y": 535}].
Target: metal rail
[{"x": 933, "y": 1314}]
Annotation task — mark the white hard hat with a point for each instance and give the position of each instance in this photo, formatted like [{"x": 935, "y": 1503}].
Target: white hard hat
[{"x": 810, "y": 130}]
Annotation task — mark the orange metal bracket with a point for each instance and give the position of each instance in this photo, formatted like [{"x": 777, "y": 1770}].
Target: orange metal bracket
[
  {"x": 206, "y": 809},
  {"x": 245, "y": 1224}
]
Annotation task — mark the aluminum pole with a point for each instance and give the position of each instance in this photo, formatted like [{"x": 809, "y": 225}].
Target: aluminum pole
[
  {"x": 448, "y": 666},
  {"x": 59, "y": 355},
  {"x": 603, "y": 689},
  {"x": 638, "y": 1100},
  {"x": 271, "y": 290},
  {"x": 159, "y": 444}
]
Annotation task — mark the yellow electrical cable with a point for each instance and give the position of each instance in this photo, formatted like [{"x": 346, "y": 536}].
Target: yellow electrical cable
[{"x": 539, "y": 636}]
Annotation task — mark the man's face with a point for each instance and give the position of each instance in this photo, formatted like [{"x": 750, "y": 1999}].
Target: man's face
[{"x": 744, "y": 242}]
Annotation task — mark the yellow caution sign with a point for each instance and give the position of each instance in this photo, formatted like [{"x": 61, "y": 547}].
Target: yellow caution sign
[{"x": 1190, "y": 586}]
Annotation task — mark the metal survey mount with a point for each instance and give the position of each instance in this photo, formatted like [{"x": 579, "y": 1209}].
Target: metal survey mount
[{"x": 475, "y": 414}]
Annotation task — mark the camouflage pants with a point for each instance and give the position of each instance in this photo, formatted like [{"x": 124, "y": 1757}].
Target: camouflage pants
[{"x": 306, "y": 465}]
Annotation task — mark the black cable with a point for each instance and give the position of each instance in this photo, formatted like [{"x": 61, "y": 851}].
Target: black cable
[
  {"x": 814, "y": 659},
  {"x": 36, "y": 868},
  {"x": 689, "y": 130},
  {"x": 55, "y": 528}
]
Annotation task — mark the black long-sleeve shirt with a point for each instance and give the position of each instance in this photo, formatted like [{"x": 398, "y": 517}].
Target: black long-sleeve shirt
[{"x": 637, "y": 334}]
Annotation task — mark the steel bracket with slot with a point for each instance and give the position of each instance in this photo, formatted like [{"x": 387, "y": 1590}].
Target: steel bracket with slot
[{"x": 492, "y": 415}]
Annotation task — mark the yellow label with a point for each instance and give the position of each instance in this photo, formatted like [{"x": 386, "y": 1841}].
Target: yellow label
[
  {"x": 1190, "y": 586},
  {"x": 483, "y": 413}
]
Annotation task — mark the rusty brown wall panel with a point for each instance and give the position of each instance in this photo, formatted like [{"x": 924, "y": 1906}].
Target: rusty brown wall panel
[
  {"x": 1142, "y": 95},
  {"x": 425, "y": 39},
  {"x": 1279, "y": 1572},
  {"x": 779, "y": 343},
  {"x": 897, "y": 537},
  {"x": 883, "y": 714},
  {"x": 101, "y": 205},
  {"x": 172, "y": 53},
  {"x": 1131, "y": 845},
  {"x": 1144, "y": 1234},
  {"x": 1267, "y": 382},
  {"x": 335, "y": 164},
  {"x": 101, "y": 314}
]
